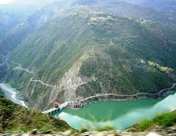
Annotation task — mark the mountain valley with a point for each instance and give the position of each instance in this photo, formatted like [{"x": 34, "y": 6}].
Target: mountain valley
[
  {"x": 88, "y": 67},
  {"x": 88, "y": 48}
]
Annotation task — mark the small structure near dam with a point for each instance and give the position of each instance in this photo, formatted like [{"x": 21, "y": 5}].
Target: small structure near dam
[{"x": 55, "y": 110}]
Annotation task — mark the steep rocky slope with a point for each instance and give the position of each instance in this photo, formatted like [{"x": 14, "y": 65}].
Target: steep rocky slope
[{"x": 83, "y": 50}]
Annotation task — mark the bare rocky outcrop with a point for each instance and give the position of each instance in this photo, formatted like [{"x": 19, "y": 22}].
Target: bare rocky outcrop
[{"x": 71, "y": 80}]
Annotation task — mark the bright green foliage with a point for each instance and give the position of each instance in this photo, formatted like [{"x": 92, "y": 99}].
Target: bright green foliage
[{"x": 164, "y": 120}]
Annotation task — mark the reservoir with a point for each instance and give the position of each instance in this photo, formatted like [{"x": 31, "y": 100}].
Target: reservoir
[{"x": 117, "y": 114}]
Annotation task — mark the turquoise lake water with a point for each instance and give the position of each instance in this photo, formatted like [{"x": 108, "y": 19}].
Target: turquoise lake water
[{"x": 118, "y": 114}]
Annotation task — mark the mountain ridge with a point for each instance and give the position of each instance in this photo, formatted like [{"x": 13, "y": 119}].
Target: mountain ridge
[{"x": 87, "y": 50}]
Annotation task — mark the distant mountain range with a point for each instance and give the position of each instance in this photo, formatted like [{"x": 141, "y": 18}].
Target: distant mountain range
[
  {"x": 76, "y": 49},
  {"x": 161, "y": 5}
]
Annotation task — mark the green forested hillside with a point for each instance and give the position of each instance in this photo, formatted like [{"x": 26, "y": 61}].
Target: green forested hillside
[
  {"x": 82, "y": 50},
  {"x": 15, "y": 118}
]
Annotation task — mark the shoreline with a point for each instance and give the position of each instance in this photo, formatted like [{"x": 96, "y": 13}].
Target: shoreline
[
  {"x": 105, "y": 97},
  {"x": 11, "y": 94}
]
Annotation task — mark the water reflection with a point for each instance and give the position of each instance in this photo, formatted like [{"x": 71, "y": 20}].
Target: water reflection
[{"x": 124, "y": 120}]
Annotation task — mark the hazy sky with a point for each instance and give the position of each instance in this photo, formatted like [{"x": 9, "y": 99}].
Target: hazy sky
[
  {"x": 2, "y": 2},
  {"x": 26, "y": 2},
  {"x": 23, "y": 7},
  {"x": 33, "y": 2}
]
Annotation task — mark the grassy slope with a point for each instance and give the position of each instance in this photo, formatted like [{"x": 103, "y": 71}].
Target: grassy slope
[
  {"x": 16, "y": 118},
  {"x": 163, "y": 120}
]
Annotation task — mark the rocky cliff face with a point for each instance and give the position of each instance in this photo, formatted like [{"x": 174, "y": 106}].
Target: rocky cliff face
[{"x": 66, "y": 87}]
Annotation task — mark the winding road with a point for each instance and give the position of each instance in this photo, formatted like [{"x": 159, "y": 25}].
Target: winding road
[
  {"x": 122, "y": 97},
  {"x": 19, "y": 67},
  {"x": 41, "y": 82},
  {"x": 167, "y": 89}
]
